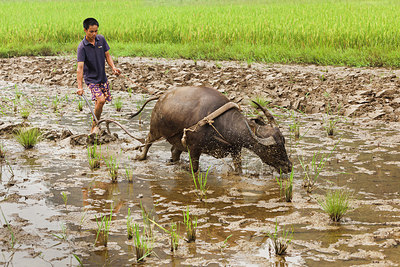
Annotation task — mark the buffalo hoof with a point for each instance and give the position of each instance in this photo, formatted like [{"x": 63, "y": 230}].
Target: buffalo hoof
[{"x": 140, "y": 157}]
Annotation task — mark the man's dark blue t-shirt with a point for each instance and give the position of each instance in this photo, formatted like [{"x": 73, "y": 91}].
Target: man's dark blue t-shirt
[{"x": 94, "y": 59}]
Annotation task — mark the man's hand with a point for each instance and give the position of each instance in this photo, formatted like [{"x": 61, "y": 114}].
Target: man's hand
[
  {"x": 79, "y": 91},
  {"x": 116, "y": 71}
]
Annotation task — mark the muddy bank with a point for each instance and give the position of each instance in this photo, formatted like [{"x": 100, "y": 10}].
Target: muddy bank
[{"x": 354, "y": 92}]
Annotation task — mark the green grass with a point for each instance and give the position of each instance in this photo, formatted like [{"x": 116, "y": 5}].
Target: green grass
[{"x": 352, "y": 32}]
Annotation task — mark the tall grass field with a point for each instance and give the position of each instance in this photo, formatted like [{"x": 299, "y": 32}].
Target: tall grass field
[{"x": 353, "y": 32}]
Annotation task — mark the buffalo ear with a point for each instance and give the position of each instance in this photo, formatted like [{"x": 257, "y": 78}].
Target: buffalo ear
[{"x": 270, "y": 141}]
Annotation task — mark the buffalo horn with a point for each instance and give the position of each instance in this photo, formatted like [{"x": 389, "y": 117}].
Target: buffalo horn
[{"x": 267, "y": 114}]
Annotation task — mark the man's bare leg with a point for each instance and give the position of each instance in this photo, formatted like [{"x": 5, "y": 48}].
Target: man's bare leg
[{"x": 98, "y": 109}]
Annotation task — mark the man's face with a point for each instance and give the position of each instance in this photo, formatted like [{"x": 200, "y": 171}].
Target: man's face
[{"x": 91, "y": 32}]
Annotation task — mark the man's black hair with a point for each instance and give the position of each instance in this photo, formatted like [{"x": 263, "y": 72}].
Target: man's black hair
[{"x": 90, "y": 22}]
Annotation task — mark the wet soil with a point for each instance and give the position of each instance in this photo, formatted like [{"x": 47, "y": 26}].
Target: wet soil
[
  {"x": 371, "y": 93},
  {"x": 39, "y": 229}
]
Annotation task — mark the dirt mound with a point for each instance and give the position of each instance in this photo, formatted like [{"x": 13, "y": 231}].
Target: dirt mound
[{"x": 360, "y": 92}]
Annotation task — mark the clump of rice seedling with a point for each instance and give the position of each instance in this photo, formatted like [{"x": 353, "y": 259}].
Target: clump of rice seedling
[
  {"x": 200, "y": 181},
  {"x": 191, "y": 226},
  {"x": 331, "y": 120},
  {"x": 286, "y": 186},
  {"x": 336, "y": 204},
  {"x": 173, "y": 231},
  {"x": 18, "y": 93},
  {"x": 65, "y": 198},
  {"x": 147, "y": 218},
  {"x": 24, "y": 112},
  {"x": 280, "y": 243},
  {"x": 2, "y": 151},
  {"x": 130, "y": 92},
  {"x": 112, "y": 166},
  {"x": 139, "y": 104},
  {"x": 80, "y": 105},
  {"x": 129, "y": 225},
  {"x": 313, "y": 169},
  {"x": 94, "y": 156},
  {"x": 118, "y": 104},
  {"x": 261, "y": 101},
  {"x": 103, "y": 228},
  {"x": 129, "y": 174},
  {"x": 56, "y": 102},
  {"x": 143, "y": 245},
  {"x": 28, "y": 137}
]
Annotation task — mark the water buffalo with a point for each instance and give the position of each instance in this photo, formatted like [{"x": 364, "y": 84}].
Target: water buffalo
[{"x": 182, "y": 107}]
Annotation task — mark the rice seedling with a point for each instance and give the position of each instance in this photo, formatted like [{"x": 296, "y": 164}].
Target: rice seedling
[
  {"x": 13, "y": 239},
  {"x": 129, "y": 92},
  {"x": 129, "y": 174},
  {"x": 24, "y": 112},
  {"x": 200, "y": 181},
  {"x": 294, "y": 126},
  {"x": 143, "y": 245},
  {"x": 139, "y": 104},
  {"x": 80, "y": 105},
  {"x": 174, "y": 237},
  {"x": 112, "y": 166},
  {"x": 118, "y": 104},
  {"x": 2, "y": 151},
  {"x": 28, "y": 137},
  {"x": 286, "y": 186},
  {"x": 129, "y": 224},
  {"x": 65, "y": 198},
  {"x": 225, "y": 243},
  {"x": 191, "y": 226},
  {"x": 261, "y": 101},
  {"x": 147, "y": 217},
  {"x": 18, "y": 93},
  {"x": 280, "y": 243},
  {"x": 55, "y": 103},
  {"x": 94, "y": 156},
  {"x": 313, "y": 169},
  {"x": 336, "y": 204},
  {"x": 78, "y": 260},
  {"x": 83, "y": 218},
  {"x": 103, "y": 227},
  {"x": 63, "y": 236}
]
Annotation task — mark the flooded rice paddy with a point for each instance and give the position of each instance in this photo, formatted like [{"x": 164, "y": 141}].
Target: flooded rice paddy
[{"x": 233, "y": 221}]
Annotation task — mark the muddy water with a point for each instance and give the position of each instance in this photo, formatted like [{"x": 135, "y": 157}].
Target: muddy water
[{"x": 365, "y": 161}]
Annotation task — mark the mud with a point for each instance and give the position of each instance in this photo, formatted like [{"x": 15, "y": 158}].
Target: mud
[
  {"x": 370, "y": 93},
  {"x": 46, "y": 231}
]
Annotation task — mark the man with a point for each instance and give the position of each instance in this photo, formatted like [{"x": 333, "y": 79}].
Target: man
[{"x": 92, "y": 54}]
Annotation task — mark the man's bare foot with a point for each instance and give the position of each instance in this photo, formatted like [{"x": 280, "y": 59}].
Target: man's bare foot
[{"x": 95, "y": 130}]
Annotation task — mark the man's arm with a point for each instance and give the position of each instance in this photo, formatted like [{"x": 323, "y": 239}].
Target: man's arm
[
  {"x": 79, "y": 78},
  {"x": 110, "y": 62}
]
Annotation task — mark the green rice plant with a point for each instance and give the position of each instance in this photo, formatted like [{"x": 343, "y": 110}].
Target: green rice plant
[
  {"x": 191, "y": 226},
  {"x": 65, "y": 198},
  {"x": 147, "y": 217},
  {"x": 94, "y": 156},
  {"x": 143, "y": 244},
  {"x": 139, "y": 104},
  {"x": 56, "y": 101},
  {"x": 129, "y": 174},
  {"x": 313, "y": 169},
  {"x": 18, "y": 93},
  {"x": 28, "y": 137},
  {"x": 103, "y": 227},
  {"x": 112, "y": 166},
  {"x": 331, "y": 124},
  {"x": 80, "y": 105},
  {"x": 200, "y": 181},
  {"x": 129, "y": 224},
  {"x": 174, "y": 237},
  {"x": 2, "y": 151},
  {"x": 83, "y": 218},
  {"x": 24, "y": 112},
  {"x": 63, "y": 236},
  {"x": 280, "y": 243},
  {"x": 13, "y": 239},
  {"x": 118, "y": 104},
  {"x": 129, "y": 92},
  {"x": 336, "y": 204},
  {"x": 262, "y": 101},
  {"x": 286, "y": 186},
  {"x": 225, "y": 243}
]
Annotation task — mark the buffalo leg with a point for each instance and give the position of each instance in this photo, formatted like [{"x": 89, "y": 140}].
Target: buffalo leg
[
  {"x": 175, "y": 154},
  {"x": 237, "y": 161},
  {"x": 194, "y": 157},
  {"x": 149, "y": 140}
]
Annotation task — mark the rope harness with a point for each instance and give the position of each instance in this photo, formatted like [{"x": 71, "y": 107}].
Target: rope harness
[{"x": 209, "y": 119}]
